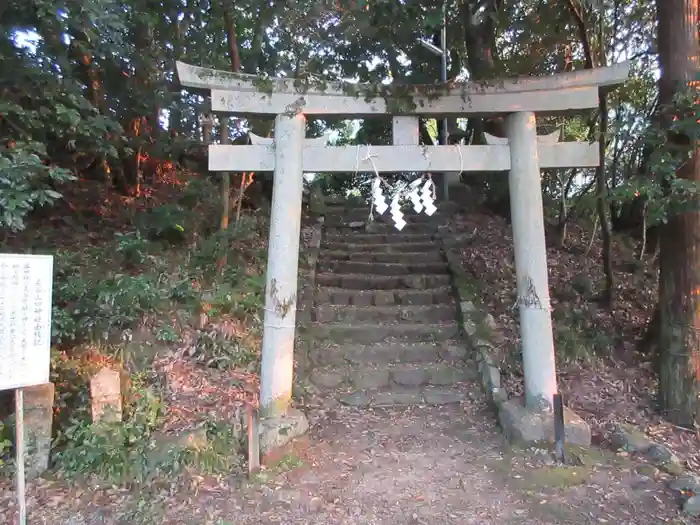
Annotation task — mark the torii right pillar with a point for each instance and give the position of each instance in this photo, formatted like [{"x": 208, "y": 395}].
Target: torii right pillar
[{"x": 531, "y": 419}]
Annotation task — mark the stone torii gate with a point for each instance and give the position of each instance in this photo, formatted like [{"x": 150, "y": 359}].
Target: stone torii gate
[{"x": 523, "y": 154}]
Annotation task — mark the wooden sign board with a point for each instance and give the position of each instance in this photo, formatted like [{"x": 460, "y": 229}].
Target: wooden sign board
[{"x": 25, "y": 320}]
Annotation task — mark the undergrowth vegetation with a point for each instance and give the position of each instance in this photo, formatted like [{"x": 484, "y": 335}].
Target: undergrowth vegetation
[{"x": 164, "y": 279}]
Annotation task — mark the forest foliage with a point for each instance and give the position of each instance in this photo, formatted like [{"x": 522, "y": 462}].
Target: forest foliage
[{"x": 89, "y": 88}]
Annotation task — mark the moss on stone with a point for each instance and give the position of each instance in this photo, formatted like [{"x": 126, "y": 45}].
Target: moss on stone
[
  {"x": 555, "y": 476},
  {"x": 672, "y": 468},
  {"x": 466, "y": 288},
  {"x": 264, "y": 85},
  {"x": 483, "y": 331}
]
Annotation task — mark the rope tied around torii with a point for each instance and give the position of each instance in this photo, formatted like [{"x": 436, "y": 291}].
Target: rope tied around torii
[{"x": 423, "y": 198}]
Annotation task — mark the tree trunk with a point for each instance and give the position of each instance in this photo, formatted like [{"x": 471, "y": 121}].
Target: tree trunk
[
  {"x": 482, "y": 61},
  {"x": 679, "y": 292},
  {"x": 225, "y": 122},
  {"x": 579, "y": 15},
  {"x": 602, "y": 191},
  {"x": 225, "y": 177}
]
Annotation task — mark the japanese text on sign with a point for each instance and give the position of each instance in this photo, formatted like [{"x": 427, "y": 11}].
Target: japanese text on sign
[{"x": 25, "y": 319}]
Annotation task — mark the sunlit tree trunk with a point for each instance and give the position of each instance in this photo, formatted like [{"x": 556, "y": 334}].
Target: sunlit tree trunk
[
  {"x": 679, "y": 293},
  {"x": 579, "y": 15},
  {"x": 601, "y": 183}
]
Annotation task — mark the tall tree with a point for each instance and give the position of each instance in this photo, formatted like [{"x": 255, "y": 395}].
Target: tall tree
[{"x": 679, "y": 293}]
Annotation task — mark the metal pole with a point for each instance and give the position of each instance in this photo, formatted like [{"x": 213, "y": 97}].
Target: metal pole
[
  {"x": 19, "y": 455},
  {"x": 443, "y": 76},
  {"x": 443, "y": 46}
]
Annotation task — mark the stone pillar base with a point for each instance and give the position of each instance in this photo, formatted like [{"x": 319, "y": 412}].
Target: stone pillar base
[
  {"x": 276, "y": 432},
  {"x": 522, "y": 425}
]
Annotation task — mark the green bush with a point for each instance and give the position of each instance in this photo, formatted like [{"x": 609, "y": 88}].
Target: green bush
[
  {"x": 132, "y": 247},
  {"x": 130, "y": 452},
  {"x": 216, "y": 350},
  {"x": 116, "y": 452},
  {"x": 165, "y": 223},
  {"x": 25, "y": 183},
  {"x": 87, "y": 307},
  {"x": 5, "y": 443}
]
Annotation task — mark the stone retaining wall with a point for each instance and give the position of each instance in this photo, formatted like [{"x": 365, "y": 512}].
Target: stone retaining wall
[
  {"x": 306, "y": 283},
  {"x": 479, "y": 327}
]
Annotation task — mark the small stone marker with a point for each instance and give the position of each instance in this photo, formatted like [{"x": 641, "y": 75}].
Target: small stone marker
[
  {"x": 559, "y": 427},
  {"x": 106, "y": 396},
  {"x": 38, "y": 423},
  {"x": 253, "y": 441}
]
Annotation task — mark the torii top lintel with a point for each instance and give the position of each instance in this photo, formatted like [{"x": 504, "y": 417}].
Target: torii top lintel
[{"x": 245, "y": 95}]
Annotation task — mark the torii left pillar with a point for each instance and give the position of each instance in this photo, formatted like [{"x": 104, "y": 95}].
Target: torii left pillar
[{"x": 277, "y": 368}]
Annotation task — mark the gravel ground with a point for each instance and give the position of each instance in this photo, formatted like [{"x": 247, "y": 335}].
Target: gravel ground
[{"x": 420, "y": 465}]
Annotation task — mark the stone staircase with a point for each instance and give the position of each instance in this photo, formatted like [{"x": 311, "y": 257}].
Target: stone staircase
[{"x": 385, "y": 320}]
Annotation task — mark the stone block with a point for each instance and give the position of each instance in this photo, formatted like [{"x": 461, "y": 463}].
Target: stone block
[
  {"x": 490, "y": 322},
  {"x": 323, "y": 295},
  {"x": 106, "y": 396},
  {"x": 661, "y": 454},
  {"x": 467, "y": 308},
  {"x": 38, "y": 423},
  {"x": 436, "y": 396},
  {"x": 630, "y": 439},
  {"x": 445, "y": 375},
  {"x": 409, "y": 376},
  {"x": 470, "y": 328},
  {"x": 454, "y": 353},
  {"x": 361, "y": 299},
  {"x": 356, "y": 399},
  {"x": 498, "y": 396},
  {"x": 325, "y": 378},
  {"x": 414, "y": 281},
  {"x": 490, "y": 376},
  {"x": 686, "y": 482},
  {"x": 324, "y": 314},
  {"x": 276, "y": 432},
  {"x": 522, "y": 425},
  {"x": 384, "y": 298},
  {"x": 371, "y": 378},
  {"x": 483, "y": 347},
  {"x": 398, "y": 398}
]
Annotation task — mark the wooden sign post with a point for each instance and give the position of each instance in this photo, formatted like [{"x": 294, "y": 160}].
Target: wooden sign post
[{"x": 25, "y": 339}]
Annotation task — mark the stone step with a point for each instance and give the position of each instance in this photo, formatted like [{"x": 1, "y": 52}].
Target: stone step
[
  {"x": 383, "y": 227},
  {"x": 361, "y": 213},
  {"x": 367, "y": 334},
  {"x": 399, "y": 258},
  {"x": 383, "y": 268},
  {"x": 402, "y": 396},
  {"x": 378, "y": 238},
  {"x": 361, "y": 377},
  {"x": 431, "y": 314},
  {"x": 382, "y": 353},
  {"x": 382, "y": 282},
  {"x": 382, "y": 248},
  {"x": 345, "y": 297}
]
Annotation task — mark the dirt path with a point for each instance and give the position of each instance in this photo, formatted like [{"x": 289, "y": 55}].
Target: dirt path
[{"x": 437, "y": 465}]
